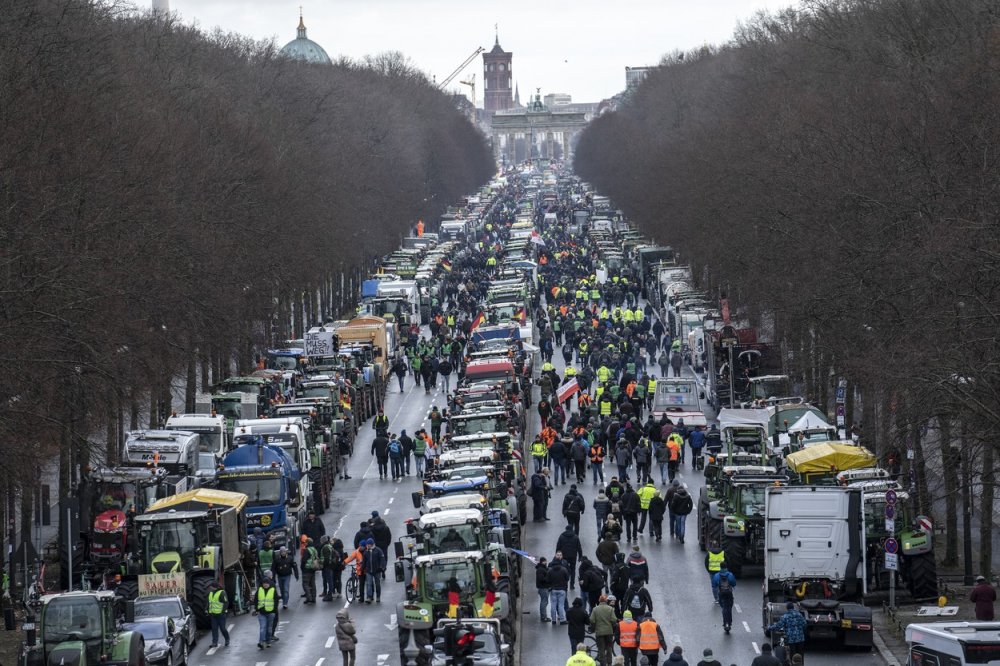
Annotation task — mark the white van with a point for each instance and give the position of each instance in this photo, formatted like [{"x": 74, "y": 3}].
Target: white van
[{"x": 953, "y": 644}]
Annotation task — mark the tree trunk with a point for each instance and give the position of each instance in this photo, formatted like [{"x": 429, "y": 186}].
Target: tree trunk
[
  {"x": 111, "y": 433},
  {"x": 923, "y": 503},
  {"x": 28, "y": 489},
  {"x": 950, "y": 469},
  {"x": 191, "y": 386},
  {"x": 986, "y": 512}
]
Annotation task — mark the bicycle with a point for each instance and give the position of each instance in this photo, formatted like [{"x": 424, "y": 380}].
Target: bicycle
[{"x": 352, "y": 586}]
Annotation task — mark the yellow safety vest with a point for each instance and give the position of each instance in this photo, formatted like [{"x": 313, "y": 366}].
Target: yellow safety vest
[
  {"x": 652, "y": 387},
  {"x": 715, "y": 560},
  {"x": 580, "y": 659},
  {"x": 603, "y": 374},
  {"x": 538, "y": 450},
  {"x": 215, "y": 606},
  {"x": 605, "y": 407},
  {"x": 646, "y": 494},
  {"x": 265, "y": 601}
]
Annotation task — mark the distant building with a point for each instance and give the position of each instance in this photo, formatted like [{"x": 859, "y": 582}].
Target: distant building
[
  {"x": 305, "y": 49},
  {"x": 635, "y": 75},
  {"x": 558, "y": 99},
  {"x": 498, "y": 94}
]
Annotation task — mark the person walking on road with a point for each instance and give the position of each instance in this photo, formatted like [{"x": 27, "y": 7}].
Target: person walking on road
[
  {"x": 681, "y": 505},
  {"x": 380, "y": 449},
  {"x": 651, "y": 639},
  {"x": 723, "y": 584},
  {"x": 657, "y": 508},
  {"x": 579, "y": 452},
  {"x": 637, "y": 599},
  {"x": 581, "y": 658},
  {"x": 592, "y": 582},
  {"x": 983, "y": 595},
  {"x": 606, "y": 551},
  {"x": 336, "y": 565},
  {"x": 792, "y": 625},
  {"x": 419, "y": 449},
  {"x": 407, "y": 443},
  {"x": 436, "y": 419},
  {"x": 542, "y": 585},
  {"x": 676, "y": 657},
  {"x": 374, "y": 567},
  {"x": 708, "y": 659},
  {"x": 637, "y": 565},
  {"x": 540, "y": 490},
  {"x": 344, "y": 448},
  {"x": 766, "y": 657},
  {"x": 602, "y": 509},
  {"x": 603, "y": 620},
  {"x": 381, "y": 423},
  {"x": 347, "y": 638},
  {"x": 445, "y": 369},
  {"x": 573, "y": 507},
  {"x": 218, "y": 606},
  {"x": 399, "y": 369},
  {"x": 395, "y": 458},
  {"x": 646, "y": 494},
  {"x": 311, "y": 563},
  {"x": 631, "y": 505},
  {"x": 265, "y": 605},
  {"x": 539, "y": 452},
  {"x": 284, "y": 567},
  {"x": 661, "y": 453},
  {"x": 627, "y": 637},
  {"x": 558, "y": 586},
  {"x": 714, "y": 559},
  {"x": 623, "y": 459},
  {"x": 569, "y": 546},
  {"x": 577, "y": 619}
]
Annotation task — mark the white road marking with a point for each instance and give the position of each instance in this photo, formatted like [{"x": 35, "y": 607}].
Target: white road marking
[
  {"x": 210, "y": 651},
  {"x": 231, "y": 627},
  {"x": 261, "y": 663},
  {"x": 746, "y": 626},
  {"x": 392, "y": 498},
  {"x": 737, "y": 608},
  {"x": 329, "y": 642},
  {"x": 755, "y": 647},
  {"x": 386, "y": 512},
  {"x": 319, "y": 662},
  {"x": 382, "y": 658},
  {"x": 339, "y": 525},
  {"x": 392, "y": 622}
]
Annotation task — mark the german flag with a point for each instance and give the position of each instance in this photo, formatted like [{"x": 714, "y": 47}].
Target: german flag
[
  {"x": 445, "y": 264},
  {"x": 488, "y": 601},
  {"x": 521, "y": 316},
  {"x": 478, "y": 320},
  {"x": 453, "y": 600}
]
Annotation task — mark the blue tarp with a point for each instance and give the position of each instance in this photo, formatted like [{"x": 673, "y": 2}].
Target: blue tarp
[
  {"x": 369, "y": 289},
  {"x": 505, "y": 332}
]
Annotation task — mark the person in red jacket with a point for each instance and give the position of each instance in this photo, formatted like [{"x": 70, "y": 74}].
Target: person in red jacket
[{"x": 983, "y": 595}]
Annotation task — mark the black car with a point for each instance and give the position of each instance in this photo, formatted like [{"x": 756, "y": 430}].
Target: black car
[
  {"x": 164, "y": 645},
  {"x": 171, "y": 606}
]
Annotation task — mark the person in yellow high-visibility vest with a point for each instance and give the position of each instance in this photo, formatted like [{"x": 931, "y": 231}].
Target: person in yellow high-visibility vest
[
  {"x": 218, "y": 604},
  {"x": 265, "y": 605}
]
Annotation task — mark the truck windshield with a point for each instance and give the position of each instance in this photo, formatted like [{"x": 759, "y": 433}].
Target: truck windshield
[
  {"x": 263, "y": 491},
  {"x": 495, "y": 423},
  {"x": 315, "y": 392},
  {"x": 283, "y": 362},
  {"x": 676, "y": 395},
  {"x": 440, "y": 577},
  {"x": 210, "y": 442},
  {"x": 459, "y": 538},
  {"x": 752, "y": 501},
  {"x": 171, "y": 537},
  {"x": 63, "y": 618}
]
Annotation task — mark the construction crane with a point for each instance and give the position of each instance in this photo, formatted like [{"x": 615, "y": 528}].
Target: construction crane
[
  {"x": 458, "y": 70},
  {"x": 472, "y": 84}
]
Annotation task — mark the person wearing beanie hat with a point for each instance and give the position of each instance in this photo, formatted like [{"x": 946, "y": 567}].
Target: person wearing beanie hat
[
  {"x": 627, "y": 637},
  {"x": 576, "y": 618},
  {"x": 793, "y": 626},
  {"x": 602, "y": 509},
  {"x": 708, "y": 659},
  {"x": 573, "y": 507}
]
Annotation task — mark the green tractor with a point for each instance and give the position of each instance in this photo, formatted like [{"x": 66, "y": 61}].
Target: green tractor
[
  {"x": 735, "y": 520},
  {"x": 718, "y": 470},
  {"x": 433, "y": 582},
  {"x": 917, "y": 568},
  {"x": 187, "y": 542},
  {"x": 80, "y": 628}
]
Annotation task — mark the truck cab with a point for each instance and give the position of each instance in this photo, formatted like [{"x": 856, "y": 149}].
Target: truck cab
[
  {"x": 288, "y": 434},
  {"x": 213, "y": 436},
  {"x": 174, "y": 450}
]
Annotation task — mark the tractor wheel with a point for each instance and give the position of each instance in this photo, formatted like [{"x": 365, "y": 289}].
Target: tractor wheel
[
  {"x": 199, "y": 601},
  {"x": 923, "y": 576},
  {"x": 735, "y": 553},
  {"x": 714, "y": 531},
  {"x": 421, "y": 637},
  {"x": 318, "y": 502},
  {"x": 137, "y": 650},
  {"x": 64, "y": 582},
  {"x": 127, "y": 590}
]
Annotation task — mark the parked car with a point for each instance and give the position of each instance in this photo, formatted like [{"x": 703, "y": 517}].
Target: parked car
[
  {"x": 174, "y": 607},
  {"x": 164, "y": 645}
]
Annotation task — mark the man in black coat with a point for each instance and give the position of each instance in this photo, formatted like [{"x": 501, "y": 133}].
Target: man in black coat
[
  {"x": 569, "y": 544},
  {"x": 380, "y": 449},
  {"x": 313, "y": 527},
  {"x": 540, "y": 494},
  {"x": 380, "y": 532}
]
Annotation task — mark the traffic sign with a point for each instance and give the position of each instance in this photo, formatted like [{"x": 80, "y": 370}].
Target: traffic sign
[
  {"x": 841, "y": 396},
  {"x": 890, "y": 525},
  {"x": 890, "y": 496},
  {"x": 891, "y": 562},
  {"x": 890, "y": 511},
  {"x": 925, "y": 524},
  {"x": 891, "y": 546}
]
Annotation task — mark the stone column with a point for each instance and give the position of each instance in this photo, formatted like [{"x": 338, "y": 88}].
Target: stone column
[{"x": 565, "y": 140}]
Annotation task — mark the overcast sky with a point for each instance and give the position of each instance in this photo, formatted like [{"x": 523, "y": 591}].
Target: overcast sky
[{"x": 580, "y": 47}]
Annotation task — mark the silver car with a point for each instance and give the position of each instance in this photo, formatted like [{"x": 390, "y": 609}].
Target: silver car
[{"x": 173, "y": 607}]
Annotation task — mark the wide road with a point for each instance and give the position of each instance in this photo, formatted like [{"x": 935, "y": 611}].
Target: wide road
[{"x": 680, "y": 587}]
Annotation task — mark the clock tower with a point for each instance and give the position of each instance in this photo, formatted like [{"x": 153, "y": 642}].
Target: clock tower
[{"x": 498, "y": 79}]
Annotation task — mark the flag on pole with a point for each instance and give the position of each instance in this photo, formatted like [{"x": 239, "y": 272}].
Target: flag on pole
[
  {"x": 536, "y": 239},
  {"x": 566, "y": 391},
  {"x": 446, "y": 265},
  {"x": 488, "y": 600},
  {"x": 453, "y": 600}
]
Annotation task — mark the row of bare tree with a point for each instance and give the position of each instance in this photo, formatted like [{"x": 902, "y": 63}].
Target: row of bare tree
[
  {"x": 833, "y": 170},
  {"x": 171, "y": 201}
]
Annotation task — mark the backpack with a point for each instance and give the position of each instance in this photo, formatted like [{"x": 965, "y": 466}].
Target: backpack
[
  {"x": 725, "y": 587},
  {"x": 395, "y": 447},
  {"x": 619, "y": 576},
  {"x": 635, "y": 601},
  {"x": 683, "y": 504}
]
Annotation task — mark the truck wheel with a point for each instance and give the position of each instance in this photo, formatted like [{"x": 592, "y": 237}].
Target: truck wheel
[
  {"x": 199, "y": 601},
  {"x": 421, "y": 637},
  {"x": 64, "y": 580},
  {"x": 923, "y": 576},
  {"x": 137, "y": 650},
  {"x": 735, "y": 553}
]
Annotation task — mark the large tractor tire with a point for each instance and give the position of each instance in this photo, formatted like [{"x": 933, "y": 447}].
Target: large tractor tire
[
  {"x": 127, "y": 589},
  {"x": 200, "y": 587},
  {"x": 318, "y": 490},
  {"x": 714, "y": 532},
  {"x": 735, "y": 548},
  {"x": 421, "y": 637},
  {"x": 923, "y": 579},
  {"x": 64, "y": 582}
]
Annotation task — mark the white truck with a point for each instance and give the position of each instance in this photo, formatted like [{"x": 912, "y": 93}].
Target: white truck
[
  {"x": 814, "y": 557},
  {"x": 955, "y": 643},
  {"x": 211, "y": 429},
  {"x": 680, "y": 398},
  {"x": 174, "y": 450}
]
